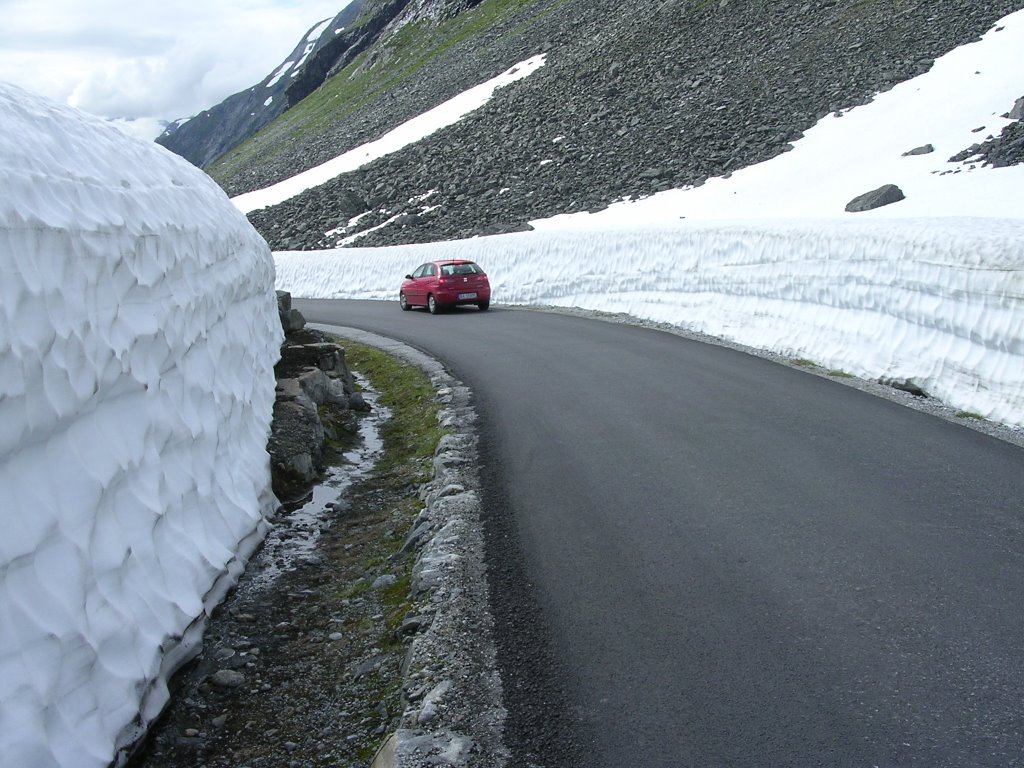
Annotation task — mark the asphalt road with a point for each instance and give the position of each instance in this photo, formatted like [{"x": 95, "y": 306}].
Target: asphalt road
[{"x": 732, "y": 562}]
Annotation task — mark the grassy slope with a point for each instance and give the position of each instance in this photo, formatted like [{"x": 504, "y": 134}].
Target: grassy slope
[{"x": 405, "y": 53}]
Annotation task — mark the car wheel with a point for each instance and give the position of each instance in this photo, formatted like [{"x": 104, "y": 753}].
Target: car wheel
[
  {"x": 432, "y": 305},
  {"x": 403, "y": 302},
  {"x": 484, "y": 305}
]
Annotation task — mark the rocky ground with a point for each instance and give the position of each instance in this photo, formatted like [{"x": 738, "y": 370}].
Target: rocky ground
[
  {"x": 307, "y": 671},
  {"x": 375, "y": 633},
  {"x": 635, "y": 98}
]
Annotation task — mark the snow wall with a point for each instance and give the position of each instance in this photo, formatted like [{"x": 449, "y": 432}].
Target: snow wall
[
  {"x": 937, "y": 302},
  {"x": 138, "y": 334}
]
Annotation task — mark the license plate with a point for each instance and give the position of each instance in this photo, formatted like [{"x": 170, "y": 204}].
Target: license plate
[{"x": 464, "y": 296}]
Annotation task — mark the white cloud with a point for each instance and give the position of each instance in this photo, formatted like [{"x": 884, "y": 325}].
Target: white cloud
[
  {"x": 147, "y": 128},
  {"x": 155, "y": 61}
]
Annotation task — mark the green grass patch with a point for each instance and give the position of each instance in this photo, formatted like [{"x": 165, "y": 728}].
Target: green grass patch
[
  {"x": 803, "y": 362},
  {"x": 969, "y": 415},
  {"x": 840, "y": 374},
  {"x": 355, "y": 590},
  {"x": 412, "y": 433}
]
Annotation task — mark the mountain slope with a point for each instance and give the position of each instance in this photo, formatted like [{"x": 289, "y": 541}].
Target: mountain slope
[
  {"x": 207, "y": 136},
  {"x": 640, "y": 97}
]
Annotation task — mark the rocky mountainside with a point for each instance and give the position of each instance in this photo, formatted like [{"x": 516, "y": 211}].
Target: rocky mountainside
[
  {"x": 205, "y": 137},
  {"x": 634, "y": 98}
]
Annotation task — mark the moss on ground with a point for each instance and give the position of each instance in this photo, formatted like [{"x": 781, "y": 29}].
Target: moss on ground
[{"x": 412, "y": 433}]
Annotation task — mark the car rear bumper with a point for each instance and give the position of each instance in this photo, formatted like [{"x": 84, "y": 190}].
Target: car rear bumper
[{"x": 463, "y": 296}]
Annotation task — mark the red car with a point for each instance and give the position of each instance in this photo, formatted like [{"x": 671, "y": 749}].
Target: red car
[{"x": 441, "y": 284}]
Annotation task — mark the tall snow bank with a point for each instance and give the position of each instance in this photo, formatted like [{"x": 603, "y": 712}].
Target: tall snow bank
[
  {"x": 939, "y": 302},
  {"x": 138, "y": 333}
]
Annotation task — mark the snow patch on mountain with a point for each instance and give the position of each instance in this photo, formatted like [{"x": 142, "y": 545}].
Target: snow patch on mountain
[
  {"x": 960, "y": 101},
  {"x": 412, "y": 131}
]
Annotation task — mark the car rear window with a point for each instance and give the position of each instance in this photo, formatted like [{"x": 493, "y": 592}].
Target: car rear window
[{"x": 461, "y": 269}]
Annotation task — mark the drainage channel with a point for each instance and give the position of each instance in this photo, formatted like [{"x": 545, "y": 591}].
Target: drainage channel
[{"x": 293, "y": 538}]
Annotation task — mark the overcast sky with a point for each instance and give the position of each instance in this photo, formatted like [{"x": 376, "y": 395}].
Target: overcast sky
[{"x": 149, "y": 59}]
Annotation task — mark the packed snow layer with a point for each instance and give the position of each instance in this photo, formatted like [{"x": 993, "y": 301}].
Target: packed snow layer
[
  {"x": 407, "y": 133},
  {"x": 138, "y": 333},
  {"x": 939, "y": 302}
]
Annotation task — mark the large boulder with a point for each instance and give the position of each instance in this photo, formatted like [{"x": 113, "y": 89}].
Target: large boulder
[{"x": 876, "y": 198}]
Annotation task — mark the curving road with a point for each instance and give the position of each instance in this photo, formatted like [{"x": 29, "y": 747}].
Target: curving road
[{"x": 715, "y": 560}]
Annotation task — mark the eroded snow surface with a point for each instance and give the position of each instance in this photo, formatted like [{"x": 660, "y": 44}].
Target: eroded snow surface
[{"x": 138, "y": 333}]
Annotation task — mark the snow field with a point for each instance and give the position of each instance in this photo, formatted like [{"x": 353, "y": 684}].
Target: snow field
[
  {"x": 138, "y": 333},
  {"x": 939, "y": 302}
]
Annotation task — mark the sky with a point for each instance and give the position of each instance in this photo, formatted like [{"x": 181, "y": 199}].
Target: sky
[{"x": 151, "y": 61}]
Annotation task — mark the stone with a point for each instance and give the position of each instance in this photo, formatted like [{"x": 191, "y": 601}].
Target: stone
[
  {"x": 366, "y": 667},
  {"x": 413, "y": 540},
  {"x": 324, "y": 355},
  {"x": 925, "y": 149},
  {"x": 906, "y": 385},
  {"x": 292, "y": 321},
  {"x": 1017, "y": 113},
  {"x": 227, "y": 678},
  {"x": 413, "y": 624},
  {"x": 296, "y": 440},
  {"x": 385, "y": 581},
  {"x": 876, "y": 198},
  {"x": 284, "y": 301},
  {"x": 429, "y": 713},
  {"x": 321, "y": 389}
]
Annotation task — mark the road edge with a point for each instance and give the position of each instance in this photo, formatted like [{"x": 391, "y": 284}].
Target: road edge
[{"x": 451, "y": 687}]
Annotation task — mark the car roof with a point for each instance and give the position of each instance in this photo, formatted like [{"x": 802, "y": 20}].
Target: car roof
[{"x": 451, "y": 261}]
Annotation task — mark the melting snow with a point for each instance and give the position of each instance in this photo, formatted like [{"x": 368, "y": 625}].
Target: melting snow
[
  {"x": 317, "y": 31},
  {"x": 138, "y": 329},
  {"x": 842, "y": 157},
  {"x": 276, "y": 78}
]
